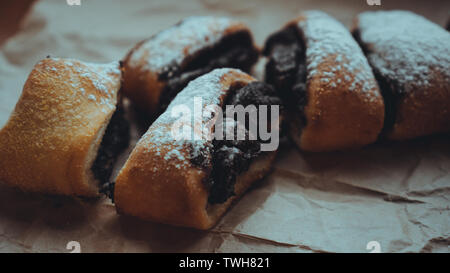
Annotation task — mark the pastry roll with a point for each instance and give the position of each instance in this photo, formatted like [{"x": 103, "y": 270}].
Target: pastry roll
[
  {"x": 410, "y": 57},
  {"x": 191, "y": 182},
  {"x": 326, "y": 82},
  {"x": 156, "y": 69},
  {"x": 65, "y": 130}
]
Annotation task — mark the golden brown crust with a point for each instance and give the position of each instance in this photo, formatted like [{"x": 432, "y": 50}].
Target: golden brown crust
[
  {"x": 344, "y": 105},
  {"x": 51, "y": 139},
  {"x": 160, "y": 183},
  {"x": 143, "y": 66},
  {"x": 423, "y": 113}
]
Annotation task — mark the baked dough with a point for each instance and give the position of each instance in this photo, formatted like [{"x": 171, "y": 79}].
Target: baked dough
[
  {"x": 326, "y": 82},
  {"x": 156, "y": 69},
  {"x": 52, "y": 137},
  {"x": 163, "y": 180},
  {"x": 410, "y": 57}
]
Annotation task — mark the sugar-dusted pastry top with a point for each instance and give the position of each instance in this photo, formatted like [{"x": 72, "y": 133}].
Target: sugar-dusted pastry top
[
  {"x": 77, "y": 74},
  {"x": 405, "y": 48},
  {"x": 172, "y": 45},
  {"x": 51, "y": 138},
  {"x": 325, "y": 37},
  {"x": 211, "y": 88}
]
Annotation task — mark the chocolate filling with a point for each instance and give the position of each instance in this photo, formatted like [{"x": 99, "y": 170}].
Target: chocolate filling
[
  {"x": 115, "y": 141},
  {"x": 391, "y": 90},
  {"x": 234, "y": 51},
  {"x": 286, "y": 69},
  {"x": 230, "y": 158}
]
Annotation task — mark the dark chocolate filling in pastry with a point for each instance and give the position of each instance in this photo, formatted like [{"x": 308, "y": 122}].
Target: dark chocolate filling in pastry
[
  {"x": 230, "y": 158},
  {"x": 391, "y": 90},
  {"x": 115, "y": 141},
  {"x": 234, "y": 51},
  {"x": 286, "y": 69}
]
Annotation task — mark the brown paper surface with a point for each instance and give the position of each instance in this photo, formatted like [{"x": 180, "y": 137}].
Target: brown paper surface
[{"x": 395, "y": 193}]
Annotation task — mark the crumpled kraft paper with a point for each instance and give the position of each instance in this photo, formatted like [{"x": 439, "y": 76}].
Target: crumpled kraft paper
[{"x": 394, "y": 193}]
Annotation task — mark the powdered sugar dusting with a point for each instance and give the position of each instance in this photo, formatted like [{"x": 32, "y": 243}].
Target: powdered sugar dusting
[
  {"x": 404, "y": 46},
  {"x": 104, "y": 78},
  {"x": 186, "y": 38},
  {"x": 101, "y": 75},
  {"x": 325, "y": 37},
  {"x": 92, "y": 97},
  {"x": 207, "y": 87},
  {"x": 63, "y": 105}
]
